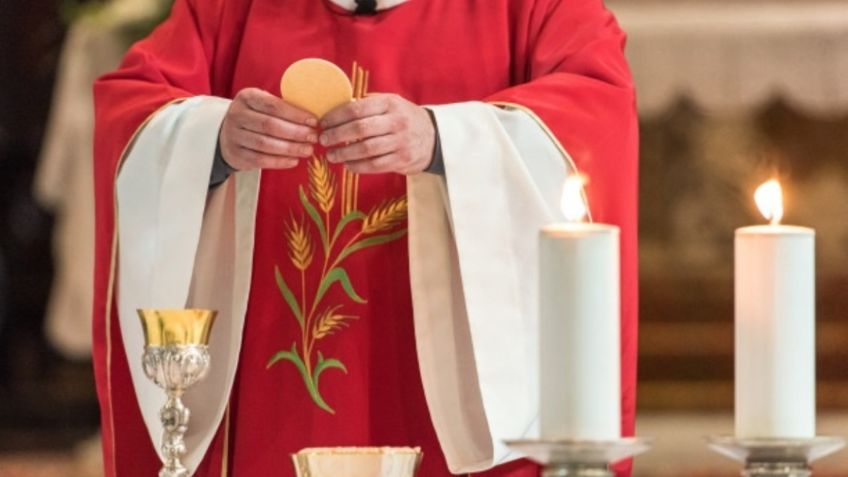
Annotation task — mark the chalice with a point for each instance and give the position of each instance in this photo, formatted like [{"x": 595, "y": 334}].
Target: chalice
[{"x": 176, "y": 356}]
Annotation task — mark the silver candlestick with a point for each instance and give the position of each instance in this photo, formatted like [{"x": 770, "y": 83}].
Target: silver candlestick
[
  {"x": 578, "y": 457},
  {"x": 176, "y": 356},
  {"x": 776, "y": 457}
]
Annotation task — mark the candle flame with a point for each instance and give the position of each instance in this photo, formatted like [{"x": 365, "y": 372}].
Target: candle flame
[
  {"x": 573, "y": 206},
  {"x": 769, "y": 198}
]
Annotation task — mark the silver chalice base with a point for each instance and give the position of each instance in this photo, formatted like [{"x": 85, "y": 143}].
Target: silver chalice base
[
  {"x": 578, "y": 457},
  {"x": 175, "y": 368},
  {"x": 776, "y": 457}
]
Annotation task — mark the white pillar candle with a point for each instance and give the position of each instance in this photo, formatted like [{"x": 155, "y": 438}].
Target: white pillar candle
[
  {"x": 775, "y": 329},
  {"x": 580, "y": 375}
]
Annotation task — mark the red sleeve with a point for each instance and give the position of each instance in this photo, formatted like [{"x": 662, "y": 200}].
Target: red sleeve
[
  {"x": 575, "y": 78},
  {"x": 172, "y": 63}
]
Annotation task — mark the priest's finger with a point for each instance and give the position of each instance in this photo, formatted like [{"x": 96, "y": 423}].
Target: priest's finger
[
  {"x": 273, "y": 146},
  {"x": 362, "y": 108},
  {"x": 359, "y": 130},
  {"x": 258, "y": 160},
  {"x": 275, "y": 127},
  {"x": 357, "y": 151},
  {"x": 376, "y": 165},
  {"x": 265, "y": 102}
]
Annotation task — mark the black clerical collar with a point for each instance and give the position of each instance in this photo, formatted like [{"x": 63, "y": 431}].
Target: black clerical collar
[{"x": 365, "y": 7}]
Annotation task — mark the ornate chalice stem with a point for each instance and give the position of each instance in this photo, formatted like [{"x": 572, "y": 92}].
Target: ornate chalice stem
[
  {"x": 175, "y": 368},
  {"x": 174, "y": 416}
]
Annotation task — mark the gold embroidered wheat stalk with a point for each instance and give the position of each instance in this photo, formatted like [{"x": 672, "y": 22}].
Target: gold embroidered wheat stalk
[
  {"x": 385, "y": 216},
  {"x": 300, "y": 246},
  {"x": 329, "y": 321},
  {"x": 325, "y": 190},
  {"x": 322, "y": 184}
]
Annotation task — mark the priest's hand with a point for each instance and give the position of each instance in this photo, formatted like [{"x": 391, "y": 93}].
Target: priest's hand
[
  {"x": 261, "y": 131},
  {"x": 379, "y": 133}
]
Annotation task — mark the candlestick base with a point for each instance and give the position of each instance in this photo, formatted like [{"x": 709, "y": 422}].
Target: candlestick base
[
  {"x": 776, "y": 457},
  {"x": 578, "y": 457}
]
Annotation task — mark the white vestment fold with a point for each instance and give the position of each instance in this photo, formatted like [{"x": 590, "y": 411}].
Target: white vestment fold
[
  {"x": 473, "y": 240},
  {"x": 177, "y": 252}
]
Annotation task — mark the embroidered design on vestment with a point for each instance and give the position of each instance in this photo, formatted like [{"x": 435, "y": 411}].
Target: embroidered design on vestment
[{"x": 322, "y": 204}]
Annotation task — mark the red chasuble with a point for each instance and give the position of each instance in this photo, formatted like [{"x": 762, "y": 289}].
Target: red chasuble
[{"x": 333, "y": 366}]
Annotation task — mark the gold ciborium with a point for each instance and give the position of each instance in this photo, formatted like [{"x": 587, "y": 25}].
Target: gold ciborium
[{"x": 176, "y": 355}]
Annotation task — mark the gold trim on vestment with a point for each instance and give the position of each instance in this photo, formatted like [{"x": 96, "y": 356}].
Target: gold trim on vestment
[{"x": 225, "y": 460}]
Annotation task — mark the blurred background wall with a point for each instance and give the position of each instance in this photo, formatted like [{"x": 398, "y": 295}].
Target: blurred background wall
[
  {"x": 731, "y": 93},
  {"x": 47, "y": 400}
]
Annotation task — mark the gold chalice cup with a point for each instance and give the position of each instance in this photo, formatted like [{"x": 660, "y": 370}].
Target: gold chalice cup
[
  {"x": 176, "y": 355},
  {"x": 357, "y": 462}
]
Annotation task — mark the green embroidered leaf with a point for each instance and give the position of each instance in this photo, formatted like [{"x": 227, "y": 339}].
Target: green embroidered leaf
[
  {"x": 350, "y": 217},
  {"x": 338, "y": 274},
  {"x": 292, "y": 356},
  {"x": 313, "y": 214},
  {"x": 324, "y": 364},
  {"x": 311, "y": 384},
  {"x": 288, "y": 296},
  {"x": 370, "y": 242}
]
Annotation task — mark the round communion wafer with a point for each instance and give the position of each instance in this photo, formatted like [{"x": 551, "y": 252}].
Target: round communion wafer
[{"x": 315, "y": 85}]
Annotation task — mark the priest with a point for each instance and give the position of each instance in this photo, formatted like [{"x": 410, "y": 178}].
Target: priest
[{"x": 375, "y": 268}]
